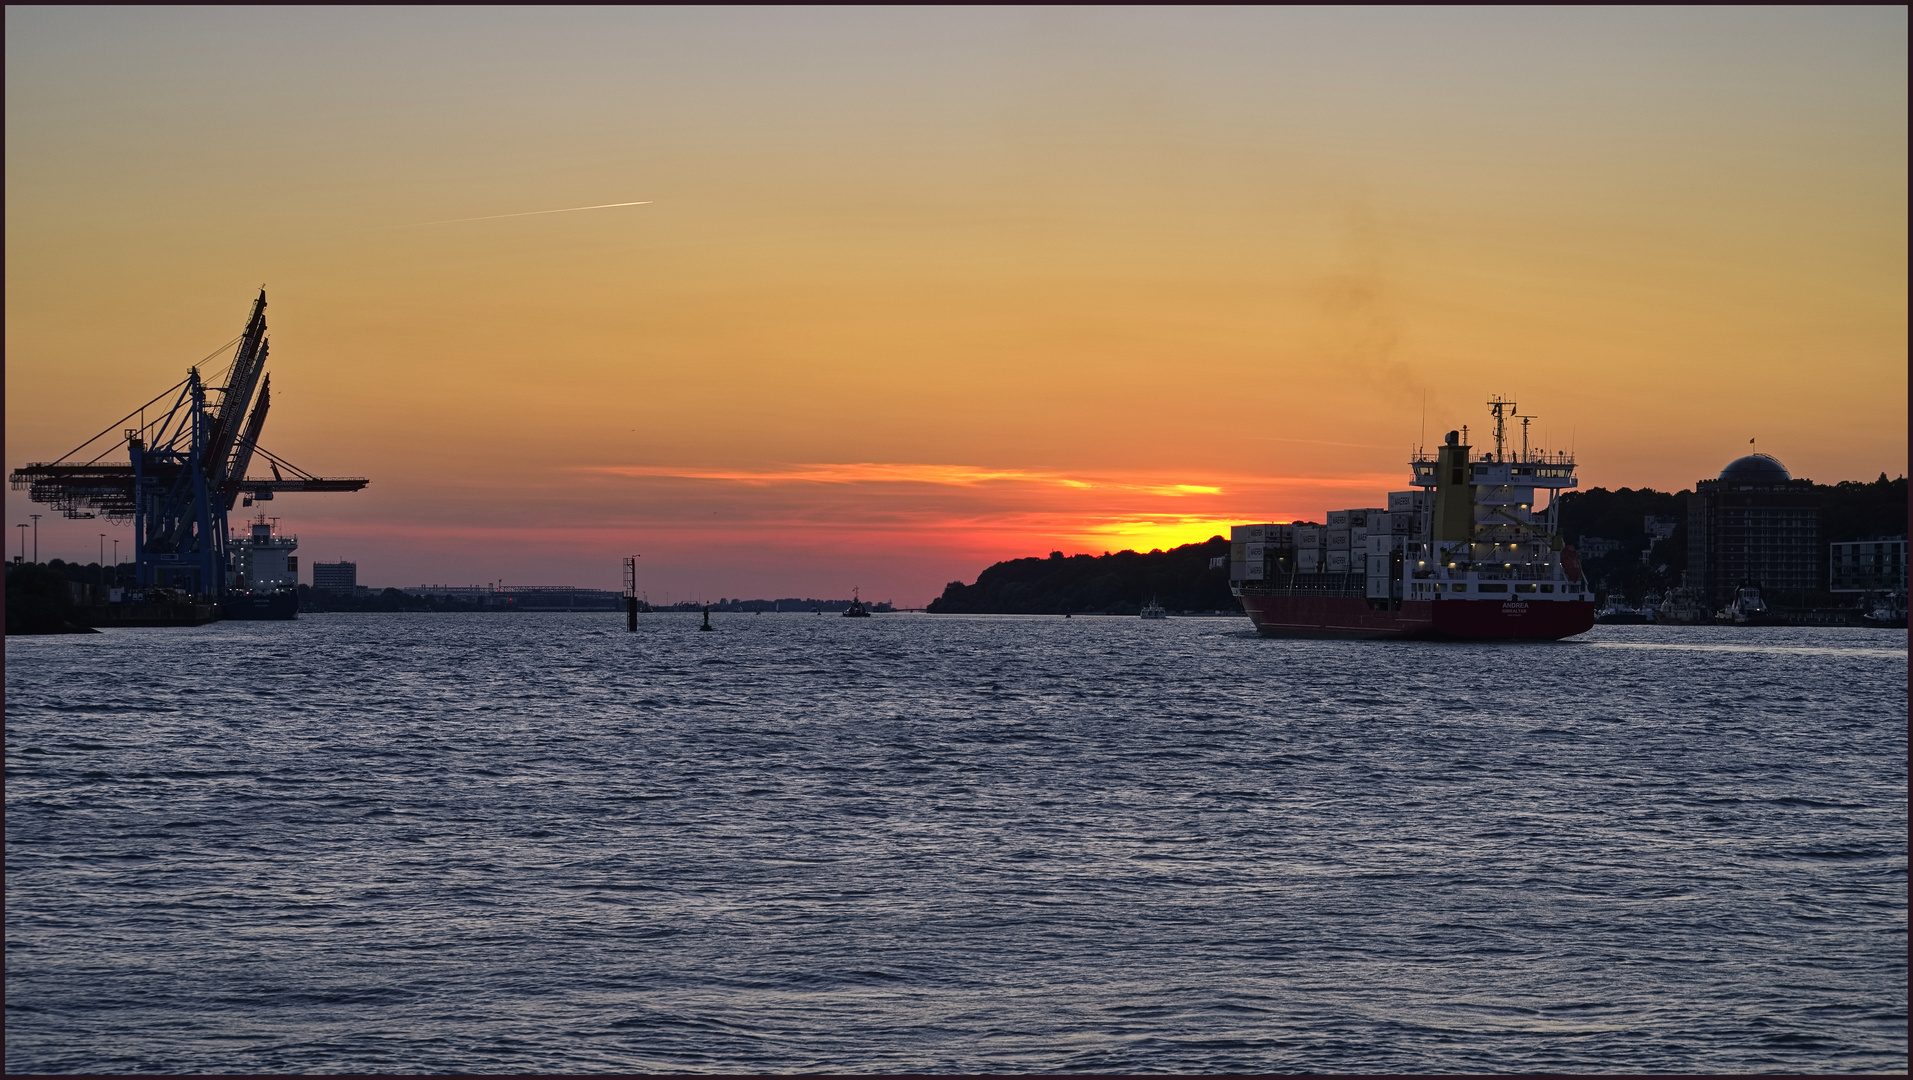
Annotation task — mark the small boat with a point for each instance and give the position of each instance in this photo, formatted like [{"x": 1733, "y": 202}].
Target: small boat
[
  {"x": 1617, "y": 613},
  {"x": 1680, "y": 607},
  {"x": 1153, "y": 610},
  {"x": 857, "y": 609},
  {"x": 1887, "y": 613}
]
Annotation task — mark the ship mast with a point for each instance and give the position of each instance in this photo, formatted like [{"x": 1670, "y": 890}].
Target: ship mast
[{"x": 1501, "y": 410}]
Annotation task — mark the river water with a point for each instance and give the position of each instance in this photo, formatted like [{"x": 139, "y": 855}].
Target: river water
[{"x": 537, "y": 843}]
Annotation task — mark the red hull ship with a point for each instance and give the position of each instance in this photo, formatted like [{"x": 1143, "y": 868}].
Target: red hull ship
[{"x": 1468, "y": 556}]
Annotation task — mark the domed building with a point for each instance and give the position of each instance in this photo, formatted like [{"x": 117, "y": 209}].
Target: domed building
[{"x": 1753, "y": 525}]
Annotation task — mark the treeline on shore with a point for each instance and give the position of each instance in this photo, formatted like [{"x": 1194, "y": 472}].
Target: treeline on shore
[{"x": 1179, "y": 579}]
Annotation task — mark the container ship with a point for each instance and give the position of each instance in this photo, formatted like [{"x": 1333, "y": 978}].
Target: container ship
[
  {"x": 264, "y": 579},
  {"x": 1468, "y": 554}
]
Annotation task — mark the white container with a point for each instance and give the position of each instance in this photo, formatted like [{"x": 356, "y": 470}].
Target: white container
[
  {"x": 1254, "y": 571},
  {"x": 1378, "y": 587},
  {"x": 1238, "y": 551},
  {"x": 1282, "y": 534},
  {"x": 1338, "y": 519},
  {"x": 1336, "y": 562},
  {"x": 1338, "y": 539},
  {"x": 1308, "y": 561},
  {"x": 1400, "y": 502},
  {"x": 1378, "y": 565},
  {"x": 1357, "y": 538},
  {"x": 1309, "y": 537},
  {"x": 1256, "y": 553}
]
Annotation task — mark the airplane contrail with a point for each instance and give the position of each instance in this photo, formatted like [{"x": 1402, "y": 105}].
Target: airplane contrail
[{"x": 528, "y": 213}]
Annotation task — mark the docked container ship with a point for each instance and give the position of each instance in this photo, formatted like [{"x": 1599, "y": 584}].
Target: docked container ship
[{"x": 1467, "y": 554}]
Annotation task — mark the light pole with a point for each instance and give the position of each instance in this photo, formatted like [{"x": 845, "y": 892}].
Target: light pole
[
  {"x": 36, "y": 536},
  {"x": 116, "y": 559},
  {"x": 23, "y": 541},
  {"x": 102, "y": 558}
]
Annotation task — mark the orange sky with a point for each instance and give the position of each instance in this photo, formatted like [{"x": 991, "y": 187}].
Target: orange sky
[{"x": 916, "y": 290}]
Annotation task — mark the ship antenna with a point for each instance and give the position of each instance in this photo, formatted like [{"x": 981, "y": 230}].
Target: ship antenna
[{"x": 1421, "y": 442}]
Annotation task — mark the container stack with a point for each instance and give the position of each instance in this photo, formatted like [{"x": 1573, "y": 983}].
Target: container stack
[
  {"x": 1261, "y": 552},
  {"x": 1405, "y": 521}
]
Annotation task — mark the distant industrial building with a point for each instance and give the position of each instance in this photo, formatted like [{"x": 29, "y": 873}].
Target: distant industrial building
[
  {"x": 1754, "y": 525},
  {"x": 525, "y": 597},
  {"x": 1859, "y": 566},
  {"x": 338, "y": 577}
]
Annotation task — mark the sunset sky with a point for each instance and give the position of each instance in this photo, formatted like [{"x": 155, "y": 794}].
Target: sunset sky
[{"x": 914, "y": 290}]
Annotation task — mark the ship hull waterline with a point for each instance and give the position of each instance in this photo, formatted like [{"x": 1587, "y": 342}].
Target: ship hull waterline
[
  {"x": 251, "y": 607},
  {"x": 1464, "y": 620}
]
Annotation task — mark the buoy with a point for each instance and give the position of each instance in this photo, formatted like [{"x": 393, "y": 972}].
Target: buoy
[{"x": 707, "y": 620}]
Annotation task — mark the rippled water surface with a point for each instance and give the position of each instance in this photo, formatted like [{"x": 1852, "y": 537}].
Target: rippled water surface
[{"x": 504, "y": 843}]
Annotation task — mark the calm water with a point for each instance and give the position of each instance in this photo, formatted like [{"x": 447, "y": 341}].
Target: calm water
[{"x": 913, "y": 843}]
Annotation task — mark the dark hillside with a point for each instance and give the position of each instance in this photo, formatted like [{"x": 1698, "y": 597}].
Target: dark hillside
[{"x": 1180, "y": 579}]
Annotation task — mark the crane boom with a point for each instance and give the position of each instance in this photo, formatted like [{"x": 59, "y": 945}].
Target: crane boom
[{"x": 242, "y": 454}]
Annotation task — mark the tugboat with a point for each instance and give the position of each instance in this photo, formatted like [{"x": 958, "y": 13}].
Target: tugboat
[
  {"x": 1154, "y": 610},
  {"x": 265, "y": 575},
  {"x": 857, "y": 609},
  {"x": 1747, "y": 609}
]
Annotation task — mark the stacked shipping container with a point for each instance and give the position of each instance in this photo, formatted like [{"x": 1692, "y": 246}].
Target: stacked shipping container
[{"x": 1354, "y": 550}]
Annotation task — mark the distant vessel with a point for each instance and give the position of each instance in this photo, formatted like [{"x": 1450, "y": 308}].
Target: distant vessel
[
  {"x": 1681, "y": 607},
  {"x": 1747, "y": 609},
  {"x": 1467, "y": 556},
  {"x": 1154, "y": 610},
  {"x": 265, "y": 575},
  {"x": 1887, "y": 612},
  {"x": 1617, "y": 613},
  {"x": 857, "y": 609}
]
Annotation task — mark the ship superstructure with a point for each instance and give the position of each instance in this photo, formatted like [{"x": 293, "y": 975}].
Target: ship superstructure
[
  {"x": 1470, "y": 554},
  {"x": 264, "y": 560}
]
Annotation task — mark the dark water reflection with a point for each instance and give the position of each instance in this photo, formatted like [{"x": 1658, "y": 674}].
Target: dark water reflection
[{"x": 910, "y": 843}]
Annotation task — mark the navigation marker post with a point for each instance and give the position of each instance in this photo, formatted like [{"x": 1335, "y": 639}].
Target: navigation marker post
[{"x": 631, "y": 593}]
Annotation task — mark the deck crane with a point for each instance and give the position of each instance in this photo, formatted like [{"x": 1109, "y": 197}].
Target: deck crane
[{"x": 184, "y": 471}]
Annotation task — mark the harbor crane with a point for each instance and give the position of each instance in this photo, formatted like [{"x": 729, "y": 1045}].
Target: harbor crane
[{"x": 185, "y": 471}]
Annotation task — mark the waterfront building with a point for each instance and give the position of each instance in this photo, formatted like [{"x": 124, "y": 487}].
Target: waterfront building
[
  {"x": 1860, "y": 566},
  {"x": 1753, "y": 525},
  {"x": 1596, "y": 547},
  {"x": 338, "y": 577}
]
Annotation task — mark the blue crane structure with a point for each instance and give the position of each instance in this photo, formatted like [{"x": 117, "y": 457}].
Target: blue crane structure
[{"x": 184, "y": 471}]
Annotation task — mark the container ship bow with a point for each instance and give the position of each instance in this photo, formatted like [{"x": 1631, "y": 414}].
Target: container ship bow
[{"x": 1467, "y": 555}]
